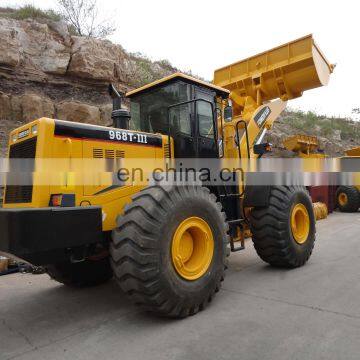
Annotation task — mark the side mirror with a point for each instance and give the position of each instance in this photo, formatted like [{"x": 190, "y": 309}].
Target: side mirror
[{"x": 228, "y": 113}]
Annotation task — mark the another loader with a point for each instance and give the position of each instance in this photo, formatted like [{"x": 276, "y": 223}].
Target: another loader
[{"x": 348, "y": 197}]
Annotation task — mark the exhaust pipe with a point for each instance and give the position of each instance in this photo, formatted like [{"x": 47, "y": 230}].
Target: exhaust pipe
[{"x": 120, "y": 117}]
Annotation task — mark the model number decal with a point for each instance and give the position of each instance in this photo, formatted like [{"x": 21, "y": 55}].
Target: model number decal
[
  {"x": 128, "y": 137},
  {"x": 92, "y": 132},
  {"x": 262, "y": 115}
]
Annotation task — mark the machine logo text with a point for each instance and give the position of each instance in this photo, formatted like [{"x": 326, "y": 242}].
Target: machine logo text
[{"x": 128, "y": 137}]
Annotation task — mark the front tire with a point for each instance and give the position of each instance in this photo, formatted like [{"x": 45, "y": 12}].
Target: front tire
[
  {"x": 169, "y": 249},
  {"x": 284, "y": 231}
]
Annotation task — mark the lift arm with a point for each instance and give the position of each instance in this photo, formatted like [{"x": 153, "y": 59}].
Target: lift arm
[{"x": 282, "y": 73}]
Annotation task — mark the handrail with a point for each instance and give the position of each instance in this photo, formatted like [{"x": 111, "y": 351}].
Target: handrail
[{"x": 238, "y": 138}]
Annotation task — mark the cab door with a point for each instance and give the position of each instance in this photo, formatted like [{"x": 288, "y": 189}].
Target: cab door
[
  {"x": 182, "y": 130},
  {"x": 206, "y": 134}
]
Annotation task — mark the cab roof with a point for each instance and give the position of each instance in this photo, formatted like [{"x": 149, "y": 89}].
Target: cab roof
[{"x": 224, "y": 93}]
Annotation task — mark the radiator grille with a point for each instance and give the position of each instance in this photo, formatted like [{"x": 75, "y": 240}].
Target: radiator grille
[
  {"x": 109, "y": 154},
  {"x": 120, "y": 154},
  {"x": 98, "y": 153},
  {"x": 16, "y": 194}
]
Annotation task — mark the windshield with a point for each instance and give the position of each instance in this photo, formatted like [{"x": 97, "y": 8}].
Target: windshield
[{"x": 149, "y": 110}]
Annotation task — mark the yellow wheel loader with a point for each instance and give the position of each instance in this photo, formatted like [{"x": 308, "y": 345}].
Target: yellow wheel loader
[
  {"x": 304, "y": 146},
  {"x": 166, "y": 244},
  {"x": 348, "y": 197}
]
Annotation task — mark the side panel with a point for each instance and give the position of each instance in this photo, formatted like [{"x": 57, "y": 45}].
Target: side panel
[
  {"x": 83, "y": 160},
  {"x": 105, "y": 152}
]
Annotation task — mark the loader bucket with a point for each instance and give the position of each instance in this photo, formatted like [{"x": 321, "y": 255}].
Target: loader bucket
[
  {"x": 284, "y": 72},
  {"x": 353, "y": 152},
  {"x": 301, "y": 143}
]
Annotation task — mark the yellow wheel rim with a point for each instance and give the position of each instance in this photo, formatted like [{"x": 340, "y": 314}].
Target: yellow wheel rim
[
  {"x": 343, "y": 199},
  {"x": 192, "y": 248},
  {"x": 300, "y": 223}
]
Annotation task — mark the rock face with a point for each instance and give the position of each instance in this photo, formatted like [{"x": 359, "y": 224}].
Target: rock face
[
  {"x": 45, "y": 49},
  {"x": 5, "y": 107},
  {"x": 105, "y": 114},
  {"x": 9, "y": 45},
  {"x": 96, "y": 59},
  {"x": 34, "y": 107},
  {"x": 34, "y": 45},
  {"x": 75, "y": 111},
  {"x": 39, "y": 50},
  {"x": 25, "y": 108},
  {"x": 44, "y": 71}
]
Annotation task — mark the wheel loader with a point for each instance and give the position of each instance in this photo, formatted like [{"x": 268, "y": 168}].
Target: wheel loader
[
  {"x": 348, "y": 197},
  {"x": 307, "y": 147},
  {"x": 304, "y": 146},
  {"x": 165, "y": 244}
]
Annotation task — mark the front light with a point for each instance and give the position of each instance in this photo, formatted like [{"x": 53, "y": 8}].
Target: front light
[
  {"x": 63, "y": 200},
  {"x": 56, "y": 199},
  {"x": 14, "y": 137},
  {"x": 34, "y": 129}
]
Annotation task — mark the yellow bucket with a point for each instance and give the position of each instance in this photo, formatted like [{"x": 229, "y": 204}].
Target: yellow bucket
[{"x": 284, "y": 72}]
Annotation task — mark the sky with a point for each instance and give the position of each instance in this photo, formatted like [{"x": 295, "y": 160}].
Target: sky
[{"x": 203, "y": 35}]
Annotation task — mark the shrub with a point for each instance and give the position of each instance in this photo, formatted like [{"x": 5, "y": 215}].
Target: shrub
[
  {"x": 313, "y": 124},
  {"x": 29, "y": 12}
]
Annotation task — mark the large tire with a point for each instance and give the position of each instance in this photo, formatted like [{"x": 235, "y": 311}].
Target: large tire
[
  {"x": 348, "y": 198},
  {"x": 81, "y": 274},
  {"x": 271, "y": 227},
  {"x": 141, "y": 249}
]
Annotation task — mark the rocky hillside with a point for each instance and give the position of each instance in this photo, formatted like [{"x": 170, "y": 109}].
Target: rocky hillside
[
  {"x": 45, "y": 71},
  {"x": 335, "y": 135}
]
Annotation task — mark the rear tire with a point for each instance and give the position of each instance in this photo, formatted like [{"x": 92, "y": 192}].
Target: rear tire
[
  {"x": 348, "y": 198},
  {"x": 273, "y": 237},
  {"x": 142, "y": 250},
  {"x": 81, "y": 274}
]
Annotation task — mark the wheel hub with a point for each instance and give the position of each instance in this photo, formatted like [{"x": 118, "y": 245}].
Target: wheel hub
[
  {"x": 300, "y": 223},
  {"x": 192, "y": 248},
  {"x": 343, "y": 199}
]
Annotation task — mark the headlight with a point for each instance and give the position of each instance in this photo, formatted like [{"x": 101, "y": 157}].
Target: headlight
[
  {"x": 34, "y": 129},
  {"x": 14, "y": 137},
  {"x": 56, "y": 199},
  {"x": 63, "y": 200}
]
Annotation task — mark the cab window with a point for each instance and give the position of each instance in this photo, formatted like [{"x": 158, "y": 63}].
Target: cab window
[
  {"x": 180, "y": 119},
  {"x": 205, "y": 119},
  {"x": 149, "y": 111}
]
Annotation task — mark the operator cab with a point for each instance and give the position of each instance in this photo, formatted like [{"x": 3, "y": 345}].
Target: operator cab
[{"x": 183, "y": 108}]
